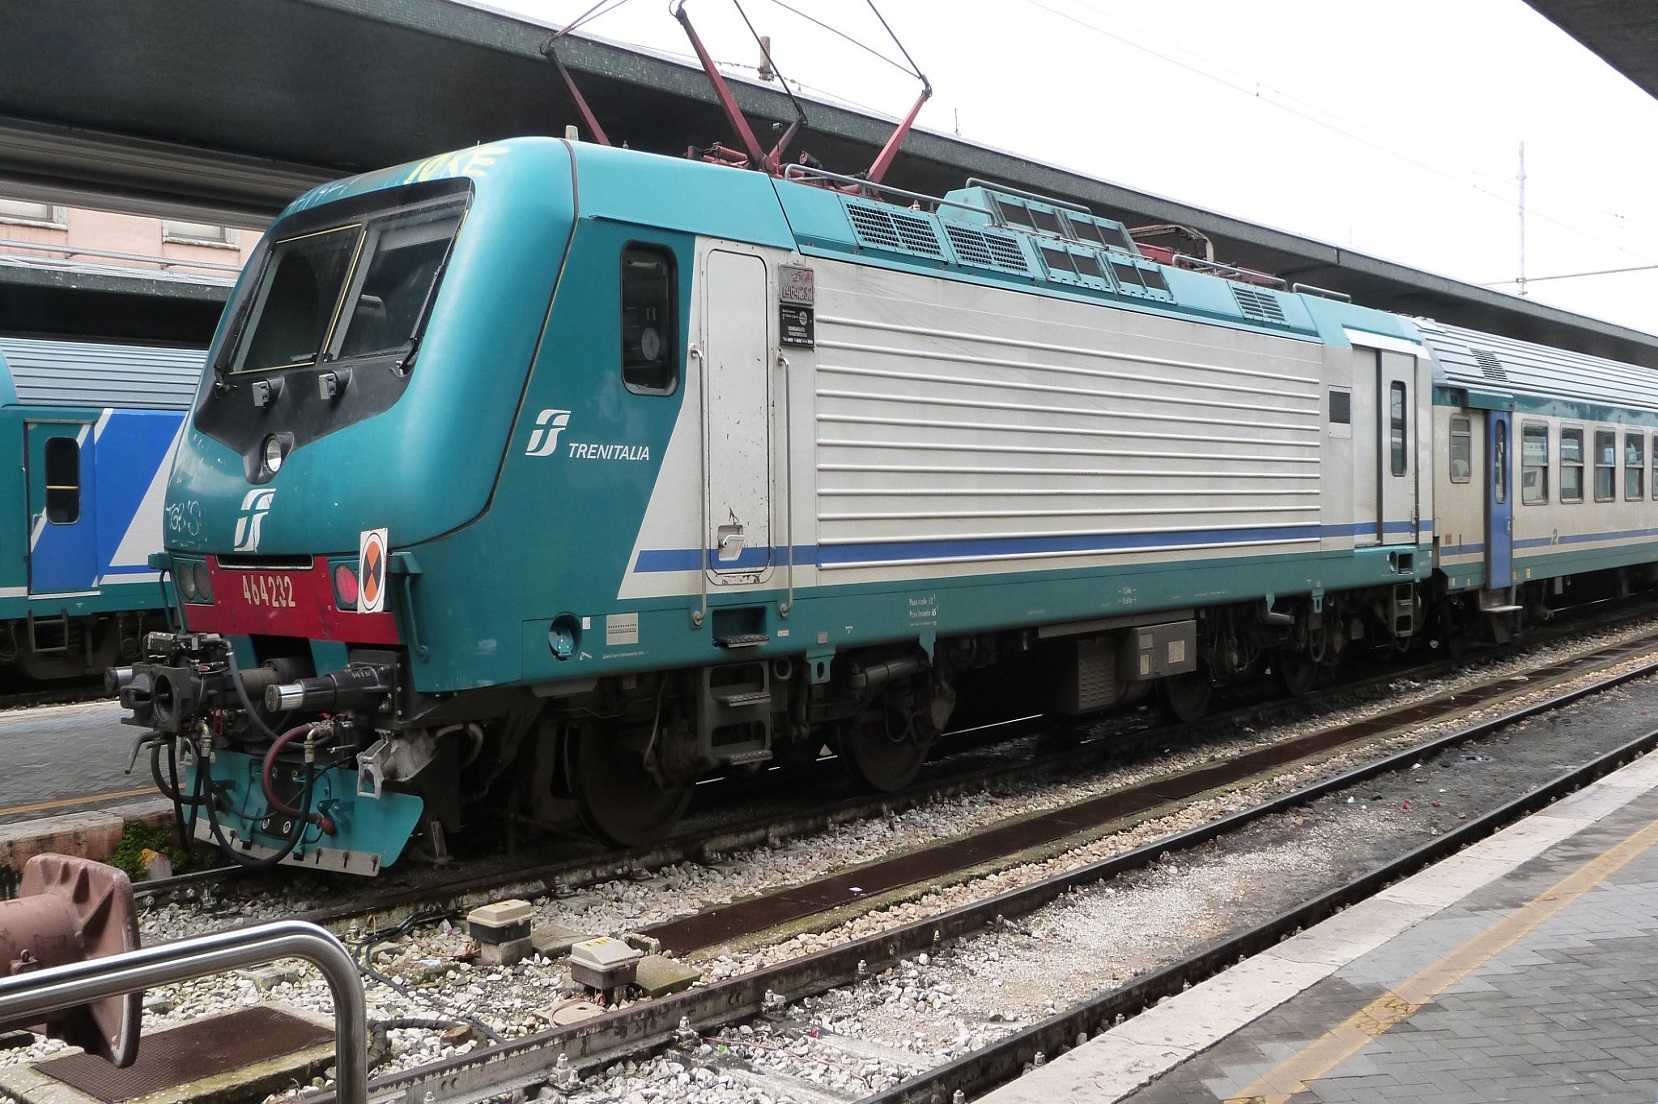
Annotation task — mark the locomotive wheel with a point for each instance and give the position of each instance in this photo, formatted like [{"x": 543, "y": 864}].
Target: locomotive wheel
[
  {"x": 1295, "y": 672},
  {"x": 876, "y": 758},
  {"x": 619, "y": 800},
  {"x": 1186, "y": 696}
]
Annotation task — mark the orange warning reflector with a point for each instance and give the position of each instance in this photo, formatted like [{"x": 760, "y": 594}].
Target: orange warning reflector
[{"x": 371, "y": 571}]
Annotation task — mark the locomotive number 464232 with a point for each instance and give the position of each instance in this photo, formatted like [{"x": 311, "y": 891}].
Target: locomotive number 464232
[{"x": 275, "y": 591}]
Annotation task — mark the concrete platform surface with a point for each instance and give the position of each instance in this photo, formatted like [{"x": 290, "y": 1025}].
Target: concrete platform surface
[{"x": 1522, "y": 969}]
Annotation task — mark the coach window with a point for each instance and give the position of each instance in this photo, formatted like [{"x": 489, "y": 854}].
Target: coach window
[
  {"x": 1653, "y": 482},
  {"x": 1396, "y": 425},
  {"x": 1571, "y": 465},
  {"x": 1499, "y": 462},
  {"x": 650, "y": 312},
  {"x": 63, "y": 480},
  {"x": 1634, "y": 465},
  {"x": 1534, "y": 464},
  {"x": 1606, "y": 461},
  {"x": 1462, "y": 450}
]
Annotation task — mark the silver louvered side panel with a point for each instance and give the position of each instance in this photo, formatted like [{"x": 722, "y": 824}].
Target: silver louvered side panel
[
  {"x": 82, "y": 373},
  {"x": 950, "y": 429}
]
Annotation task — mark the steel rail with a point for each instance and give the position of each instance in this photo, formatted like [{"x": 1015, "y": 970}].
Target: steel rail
[{"x": 1000, "y": 1062}]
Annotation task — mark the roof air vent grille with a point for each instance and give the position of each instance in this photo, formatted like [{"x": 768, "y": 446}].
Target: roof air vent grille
[
  {"x": 896, "y": 231},
  {"x": 987, "y": 248},
  {"x": 1490, "y": 365},
  {"x": 1263, "y": 306}
]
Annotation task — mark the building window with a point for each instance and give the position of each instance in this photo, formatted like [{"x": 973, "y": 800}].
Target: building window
[
  {"x": 1606, "y": 465},
  {"x": 1571, "y": 465},
  {"x": 1396, "y": 435},
  {"x": 200, "y": 233},
  {"x": 1534, "y": 464},
  {"x": 1634, "y": 465},
  {"x": 25, "y": 213},
  {"x": 63, "y": 480},
  {"x": 650, "y": 316},
  {"x": 1462, "y": 450}
]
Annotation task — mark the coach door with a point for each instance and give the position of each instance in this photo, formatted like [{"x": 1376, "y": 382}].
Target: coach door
[
  {"x": 1384, "y": 459},
  {"x": 737, "y": 426},
  {"x": 1499, "y": 503},
  {"x": 63, "y": 525}
]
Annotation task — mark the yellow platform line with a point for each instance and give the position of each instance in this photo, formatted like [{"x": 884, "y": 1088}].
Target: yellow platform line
[
  {"x": 71, "y": 802},
  {"x": 1296, "y": 1073}
]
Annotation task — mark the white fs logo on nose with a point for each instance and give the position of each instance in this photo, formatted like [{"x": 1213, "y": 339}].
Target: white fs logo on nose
[
  {"x": 255, "y": 505},
  {"x": 544, "y": 438}
]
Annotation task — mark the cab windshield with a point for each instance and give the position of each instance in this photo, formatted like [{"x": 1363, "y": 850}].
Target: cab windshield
[{"x": 358, "y": 289}]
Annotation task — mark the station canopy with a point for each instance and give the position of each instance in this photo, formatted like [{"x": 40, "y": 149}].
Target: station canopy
[{"x": 224, "y": 112}]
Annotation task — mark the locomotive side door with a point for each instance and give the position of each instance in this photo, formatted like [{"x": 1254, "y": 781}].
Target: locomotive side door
[
  {"x": 1499, "y": 503},
  {"x": 1396, "y": 451},
  {"x": 736, "y": 400},
  {"x": 63, "y": 514}
]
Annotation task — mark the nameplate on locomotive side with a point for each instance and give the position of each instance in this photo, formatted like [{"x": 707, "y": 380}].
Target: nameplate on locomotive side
[{"x": 797, "y": 325}]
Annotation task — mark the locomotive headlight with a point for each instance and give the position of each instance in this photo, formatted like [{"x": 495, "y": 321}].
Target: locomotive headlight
[
  {"x": 185, "y": 576},
  {"x": 204, "y": 582},
  {"x": 271, "y": 452}
]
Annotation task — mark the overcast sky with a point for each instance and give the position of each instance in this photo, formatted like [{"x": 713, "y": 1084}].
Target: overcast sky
[{"x": 1392, "y": 127}]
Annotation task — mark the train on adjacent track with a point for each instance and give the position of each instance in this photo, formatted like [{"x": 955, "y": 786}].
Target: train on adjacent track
[
  {"x": 546, "y": 479},
  {"x": 92, "y": 427}
]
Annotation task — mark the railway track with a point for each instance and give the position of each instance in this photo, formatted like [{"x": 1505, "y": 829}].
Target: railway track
[
  {"x": 821, "y": 905},
  {"x": 981, "y": 765},
  {"x": 685, "y": 1020}
]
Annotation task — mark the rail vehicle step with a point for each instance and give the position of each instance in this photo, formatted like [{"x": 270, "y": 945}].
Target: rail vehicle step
[
  {"x": 1501, "y": 609},
  {"x": 1404, "y": 610},
  {"x": 736, "y": 698},
  {"x": 738, "y": 758},
  {"x": 743, "y": 640},
  {"x": 58, "y": 636}
]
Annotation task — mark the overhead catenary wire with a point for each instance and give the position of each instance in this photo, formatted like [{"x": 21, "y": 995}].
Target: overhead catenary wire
[{"x": 1335, "y": 125}]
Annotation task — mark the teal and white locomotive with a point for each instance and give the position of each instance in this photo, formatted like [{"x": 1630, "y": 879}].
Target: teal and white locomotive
[{"x": 546, "y": 476}]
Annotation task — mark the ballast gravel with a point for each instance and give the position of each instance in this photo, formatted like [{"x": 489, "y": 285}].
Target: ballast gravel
[{"x": 936, "y": 1006}]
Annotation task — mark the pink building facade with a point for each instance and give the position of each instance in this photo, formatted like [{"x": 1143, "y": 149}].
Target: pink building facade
[{"x": 49, "y": 232}]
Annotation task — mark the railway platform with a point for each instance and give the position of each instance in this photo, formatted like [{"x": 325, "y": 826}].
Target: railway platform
[{"x": 1522, "y": 969}]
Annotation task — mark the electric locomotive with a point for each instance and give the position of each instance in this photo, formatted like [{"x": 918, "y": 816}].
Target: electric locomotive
[
  {"x": 542, "y": 480},
  {"x": 92, "y": 428}
]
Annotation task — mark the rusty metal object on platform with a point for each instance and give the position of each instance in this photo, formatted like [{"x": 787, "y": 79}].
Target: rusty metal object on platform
[{"x": 69, "y": 910}]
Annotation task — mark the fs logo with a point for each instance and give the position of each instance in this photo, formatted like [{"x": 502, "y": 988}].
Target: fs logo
[
  {"x": 544, "y": 439},
  {"x": 255, "y": 505}
]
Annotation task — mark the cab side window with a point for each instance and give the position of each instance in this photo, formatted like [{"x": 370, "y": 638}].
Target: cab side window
[{"x": 650, "y": 319}]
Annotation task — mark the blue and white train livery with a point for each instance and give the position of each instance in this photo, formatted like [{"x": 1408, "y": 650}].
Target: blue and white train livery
[{"x": 94, "y": 428}]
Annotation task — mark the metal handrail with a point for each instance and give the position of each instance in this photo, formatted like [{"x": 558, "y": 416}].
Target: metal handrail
[{"x": 43, "y": 992}]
